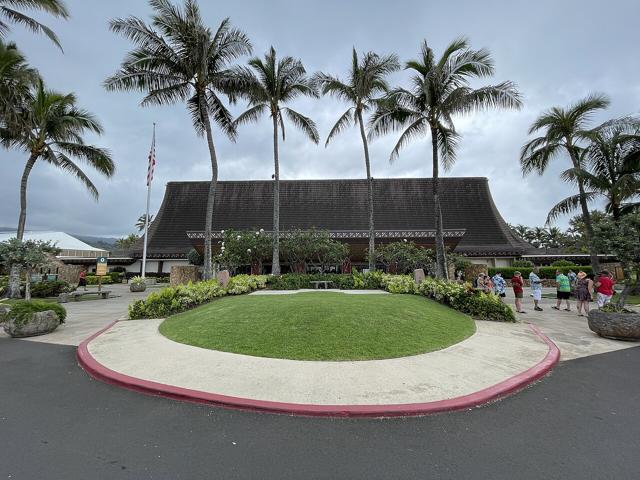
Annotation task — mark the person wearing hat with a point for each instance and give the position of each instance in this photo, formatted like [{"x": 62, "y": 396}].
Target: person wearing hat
[{"x": 584, "y": 293}]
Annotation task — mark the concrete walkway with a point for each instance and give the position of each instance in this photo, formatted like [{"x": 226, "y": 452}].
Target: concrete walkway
[
  {"x": 567, "y": 330},
  {"x": 87, "y": 317},
  {"x": 495, "y": 353}
]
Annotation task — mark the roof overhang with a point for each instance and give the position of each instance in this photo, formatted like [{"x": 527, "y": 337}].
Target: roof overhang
[{"x": 351, "y": 234}]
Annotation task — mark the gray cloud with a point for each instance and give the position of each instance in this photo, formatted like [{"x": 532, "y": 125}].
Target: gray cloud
[{"x": 555, "y": 51}]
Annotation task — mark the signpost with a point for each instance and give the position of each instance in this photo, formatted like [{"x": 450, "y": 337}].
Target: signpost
[{"x": 101, "y": 270}]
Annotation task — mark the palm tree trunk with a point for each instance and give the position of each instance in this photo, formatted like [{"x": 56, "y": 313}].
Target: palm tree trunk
[
  {"x": 441, "y": 259},
  {"x": 275, "y": 259},
  {"x": 204, "y": 114},
  {"x": 372, "y": 230},
  {"x": 14, "y": 275},
  {"x": 586, "y": 215}
]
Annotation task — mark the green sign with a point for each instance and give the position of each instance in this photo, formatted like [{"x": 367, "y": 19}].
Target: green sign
[{"x": 102, "y": 260}]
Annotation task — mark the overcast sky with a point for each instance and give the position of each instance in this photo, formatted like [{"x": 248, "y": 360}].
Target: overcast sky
[{"x": 556, "y": 51}]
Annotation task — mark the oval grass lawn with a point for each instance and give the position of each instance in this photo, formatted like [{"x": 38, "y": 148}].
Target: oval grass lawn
[{"x": 321, "y": 326}]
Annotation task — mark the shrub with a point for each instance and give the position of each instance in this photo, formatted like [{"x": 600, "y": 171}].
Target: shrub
[
  {"x": 4, "y": 284},
  {"x": 21, "y": 310},
  {"x": 462, "y": 297},
  {"x": 172, "y": 300},
  {"x": 137, "y": 280},
  {"x": 398, "y": 283},
  {"x": 49, "y": 288},
  {"x": 94, "y": 280},
  {"x": 116, "y": 277},
  {"x": 522, "y": 263},
  {"x": 194, "y": 257},
  {"x": 563, "y": 263}
]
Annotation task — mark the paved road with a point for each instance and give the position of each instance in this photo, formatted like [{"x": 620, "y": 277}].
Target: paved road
[{"x": 57, "y": 423}]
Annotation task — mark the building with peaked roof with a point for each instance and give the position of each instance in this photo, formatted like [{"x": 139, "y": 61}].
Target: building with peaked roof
[{"x": 403, "y": 209}]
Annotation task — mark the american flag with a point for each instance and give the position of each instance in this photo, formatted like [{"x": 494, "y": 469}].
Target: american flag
[{"x": 152, "y": 158}]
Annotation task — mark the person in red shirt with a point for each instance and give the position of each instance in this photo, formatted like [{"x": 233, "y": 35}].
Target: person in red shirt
[
  {"x": 517, "y": 284},
  {"x": 604, "y": 288}
]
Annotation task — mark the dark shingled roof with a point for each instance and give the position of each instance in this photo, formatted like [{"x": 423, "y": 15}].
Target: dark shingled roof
[{"x": 334, "y": 205}]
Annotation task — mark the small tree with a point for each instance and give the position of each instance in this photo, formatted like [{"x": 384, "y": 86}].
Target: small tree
[
  {"x": 29, "y": 255},
  {"x": 403, "y": 257},
  {"x": 621, "y": 239},
  {"x": 249, "y": 247}
]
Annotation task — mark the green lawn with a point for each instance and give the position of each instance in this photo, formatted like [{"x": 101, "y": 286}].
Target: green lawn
[{"x": 321, "y": 326}]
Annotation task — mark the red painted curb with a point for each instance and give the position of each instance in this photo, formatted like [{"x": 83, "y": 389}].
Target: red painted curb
[{"x": 495, "y": 392}]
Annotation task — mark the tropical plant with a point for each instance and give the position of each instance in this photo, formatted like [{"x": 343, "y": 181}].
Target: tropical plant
[
  {"x": 28, "y": 255},
  {"x": 179, "y": 59},
  {"x": 404, "y": 257},
  {"x": 127, "y": 242},
  {"x": 9, "y": 13},
  {"x": 621, "y": 239},
  {"x": 304, "y": 248},
  {"x": 249, "y": 247},
  {"x": 141, "y": 223},
  {"x": 267, "y": 85},
  {"x": 366, "y": 83},
  {"x": 610, "y": 168},
  {"x": 16, "y": 80},
  {"x": 564, "y": 129},
  {"x": 440, "y": 89}
]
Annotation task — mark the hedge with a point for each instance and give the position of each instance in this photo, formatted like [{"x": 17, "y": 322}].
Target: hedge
[
  {"x": 93, "y": 280},
  {"x": 342, "y": 281},
  {"x": 545, "y": 272},
  {"x": 172, "y": 300},
  {"x": 50, "y": 288}
]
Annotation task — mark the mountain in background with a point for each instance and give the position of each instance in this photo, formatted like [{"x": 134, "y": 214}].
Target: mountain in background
[{"x": 103, "y": 243}]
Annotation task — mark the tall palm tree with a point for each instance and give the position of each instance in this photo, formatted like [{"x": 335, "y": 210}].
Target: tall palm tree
[
  {"x": 563, "y": 130},
  {"x": 612, "y": 169},
  {"x": 267, "y": 85},
  {"x": 179, "y": 59},
  {"x": 142, "y": 221},
  {"x": 9, "y": 13},
  {"x": 51, "y": 129},
  {"x": 366, "y": 82},
  {"x": 440, "y": 89}
]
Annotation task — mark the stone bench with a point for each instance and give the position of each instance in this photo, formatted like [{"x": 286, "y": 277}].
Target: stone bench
[
  {"x": 75, "y": 296},
  {"x": 316, "y": 284}
]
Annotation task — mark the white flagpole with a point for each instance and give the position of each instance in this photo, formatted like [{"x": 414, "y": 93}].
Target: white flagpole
[{"x": 146, "y": 220}]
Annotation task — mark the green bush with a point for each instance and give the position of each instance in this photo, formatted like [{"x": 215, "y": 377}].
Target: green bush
[
  {"x": 49, "y": 288},
  {"x": 4, "y": 284},
  {"x": 297, "y": 281},
  {"x": 464, "y": 298},
  {"x": 172, "y": 300},
  {"x": 563, "y": 263},
  {"x": 116, "y": 277},
  {"x": 22, "y": 309},
  {"x": 93, "y": 280},
  {"x": 522, "y": 263},
  {"x": 398, "y": 283}
]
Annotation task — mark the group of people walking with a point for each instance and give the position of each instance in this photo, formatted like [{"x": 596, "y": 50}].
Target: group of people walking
[{"x": 584, "y": 287}]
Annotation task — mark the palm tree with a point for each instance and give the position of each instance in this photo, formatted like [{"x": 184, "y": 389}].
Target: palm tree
[
  {"x": 563, "y": 130},
  {"x": 439, "y": 91},
  {"x": 366, "y": 82},
  {"x": 142, "y": 221},
  {"x": 51, "y": 129},
  {"x": 612, "y": 169},
  {"x": 267, "y": 85},
  {"x": 16, "y": 79},
  {"x": 179, "y": 59},
  {"x": 10, "y": 14}
]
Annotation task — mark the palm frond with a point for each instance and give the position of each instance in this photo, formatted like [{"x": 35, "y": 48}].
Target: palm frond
[
  {"x": 343, "y": 122},
  {"x": 305, "y": 124}
]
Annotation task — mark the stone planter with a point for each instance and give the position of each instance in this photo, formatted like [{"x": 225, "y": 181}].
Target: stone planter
[
  {"x": 38, "y": 323},
  {"x": 619, "y": 326},
  {"x": 137, "y": 287}
]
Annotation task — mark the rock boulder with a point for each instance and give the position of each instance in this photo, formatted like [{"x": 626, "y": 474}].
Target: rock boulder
[{"x": 38, "y": 323}]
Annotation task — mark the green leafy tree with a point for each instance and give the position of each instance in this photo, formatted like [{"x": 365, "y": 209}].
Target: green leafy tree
[
  {"x": 563, "y": 130},
  {"x": 179, "y": 59},
  {"x": 621, "y": 239},
  {"x": 304, "y": 248},
  {"x": 10, "y": 14},
  {"x": 404, "y": 257},
  {"x": 28, "y": 256},
  {"x": 268, "y": 85},
  {"x": 440, "y": 90},
  {"x": 366, "y": 83},
  {"x": 248, "y": 247},
  {"x": 610, "y": 169}
]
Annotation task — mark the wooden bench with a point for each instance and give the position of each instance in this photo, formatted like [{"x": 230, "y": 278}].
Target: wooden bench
[
  {"x": 316, "y": 284},
  {"x": 75, "y": 296}
]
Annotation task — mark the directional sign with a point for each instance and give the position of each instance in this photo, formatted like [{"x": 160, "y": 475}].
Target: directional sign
[{"x": 101, "y": 266}]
